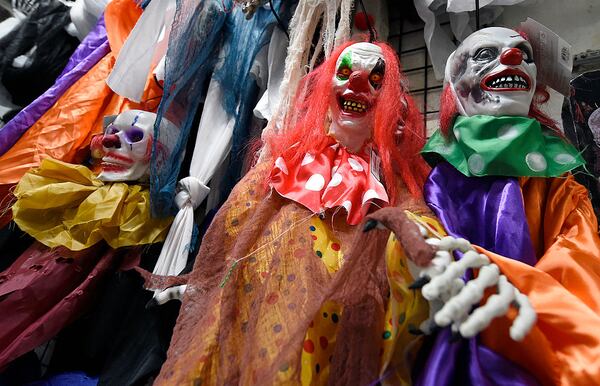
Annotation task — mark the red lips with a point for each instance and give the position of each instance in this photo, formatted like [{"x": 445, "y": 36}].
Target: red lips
[{"x": 510, "y": 79}]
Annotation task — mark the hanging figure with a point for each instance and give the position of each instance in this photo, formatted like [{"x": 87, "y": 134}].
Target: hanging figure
[
  {"x": 286, "y": 288},
  {"x": 501, "y": 179},
  {"x": 86, "y": 227}
]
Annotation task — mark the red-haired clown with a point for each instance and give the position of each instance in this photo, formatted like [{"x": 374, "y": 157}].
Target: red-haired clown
[{"x": 286, "y": 288}]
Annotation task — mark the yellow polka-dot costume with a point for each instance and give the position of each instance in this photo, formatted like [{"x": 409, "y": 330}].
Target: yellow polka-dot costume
[{"x": 405, "y": 309}]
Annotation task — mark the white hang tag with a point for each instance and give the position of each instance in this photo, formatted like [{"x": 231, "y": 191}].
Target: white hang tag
[
  {"x": 375, "y": 165},
  {"x": 551, "y": 54}
]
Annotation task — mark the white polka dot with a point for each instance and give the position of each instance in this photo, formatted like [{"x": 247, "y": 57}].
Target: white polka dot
[
  {"x": 507, "y": 132},
  {"x": 335, "y": 146},
  {"x": 308, "y": 158},
  {"x": 476, "y": 163},
  {"x": 316, "y": 182},
  {"x": 446, "y": 148},
  {"x": 564, "y": 159},
  {"x": 335, "y": 180},
  {"x": 369, "y": 194},
  {"x": 348, "y": 205},
  {"x": 536, "y": 161},
  {"x": 354, "y": 164},
  {"x": 280, "y": 163},
  {"x": 457, "y": 134}
]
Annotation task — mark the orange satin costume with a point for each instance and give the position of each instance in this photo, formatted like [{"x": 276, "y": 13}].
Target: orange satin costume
[
  {"x": 564, "y": 286},
  {"x": 64, "y": 132}
]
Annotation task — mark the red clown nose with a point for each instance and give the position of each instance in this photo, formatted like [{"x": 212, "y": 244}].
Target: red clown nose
[
  {"x": 512, "y": 56},
  {"x": 359, "y": 81}
]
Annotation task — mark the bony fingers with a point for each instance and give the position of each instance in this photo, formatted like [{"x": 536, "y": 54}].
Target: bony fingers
[
  {"x": 471, "y": 294},
  {"x": 526, "y": 318},
  {"x": 496, "y": 305}
]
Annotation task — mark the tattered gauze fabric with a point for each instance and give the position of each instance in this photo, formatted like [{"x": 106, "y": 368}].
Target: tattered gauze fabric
[{"x": 61, "y": 204}]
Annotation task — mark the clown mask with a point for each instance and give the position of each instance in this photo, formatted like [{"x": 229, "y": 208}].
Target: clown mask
[
  {"x": 356, "y": 85},
  {"x": 492, "y": 73},
  {"x": 127, "y": 146}
]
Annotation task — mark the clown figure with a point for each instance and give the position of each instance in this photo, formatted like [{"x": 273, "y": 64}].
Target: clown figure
[
  {"x": 265, "y": 303},
  {"x": 501, "y": 179}
]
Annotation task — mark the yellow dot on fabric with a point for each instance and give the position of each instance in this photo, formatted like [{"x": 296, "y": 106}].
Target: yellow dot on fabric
[{"x": 536, "y": 161}]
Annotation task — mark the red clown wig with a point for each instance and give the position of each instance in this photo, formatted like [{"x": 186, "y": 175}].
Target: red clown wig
[{"x": 307, "y": 123}]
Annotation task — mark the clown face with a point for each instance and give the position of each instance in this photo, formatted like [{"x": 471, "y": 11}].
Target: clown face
[
  {"x": 492, "y": 73},
  {"x": 127, "y": 146},
  {"x": 356, "y": 86}
]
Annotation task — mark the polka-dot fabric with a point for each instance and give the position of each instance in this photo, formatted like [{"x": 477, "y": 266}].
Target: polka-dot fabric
[
  {"x": 404, "y": 308},
  {"x": 330, "y": 179},
  {"x": 326, "y": 246},
  {"x": 503, "y": 146}
]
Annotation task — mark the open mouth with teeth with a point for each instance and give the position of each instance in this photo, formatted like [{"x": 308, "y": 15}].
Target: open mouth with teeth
[
  {"x": 353, "y": 106},
  {"x": 507, "y": 80}
]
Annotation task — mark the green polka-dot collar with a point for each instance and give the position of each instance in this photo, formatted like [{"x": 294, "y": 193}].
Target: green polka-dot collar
[{"x": 484, "y": 145}]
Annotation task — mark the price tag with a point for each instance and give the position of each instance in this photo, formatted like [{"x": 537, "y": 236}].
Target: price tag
[{"x": 552, "y": 56}]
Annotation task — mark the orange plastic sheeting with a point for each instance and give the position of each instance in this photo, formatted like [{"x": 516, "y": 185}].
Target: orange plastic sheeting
[
  {"x": 64, "y": 132},
  {"x": 563, "y": 287}
]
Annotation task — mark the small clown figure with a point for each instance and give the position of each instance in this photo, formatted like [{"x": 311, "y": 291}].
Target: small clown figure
[{"x": 501, "y": 179}]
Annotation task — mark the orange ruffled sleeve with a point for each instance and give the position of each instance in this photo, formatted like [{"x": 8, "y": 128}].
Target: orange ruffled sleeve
[{"x": 563, "y": 287}]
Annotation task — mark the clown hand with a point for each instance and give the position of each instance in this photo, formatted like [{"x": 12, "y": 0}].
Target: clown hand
[{"x": 451, "y": 300}]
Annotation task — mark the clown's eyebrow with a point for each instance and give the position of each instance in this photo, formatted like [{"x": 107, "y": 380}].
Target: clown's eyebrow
[{"x": 346, "y": 60}]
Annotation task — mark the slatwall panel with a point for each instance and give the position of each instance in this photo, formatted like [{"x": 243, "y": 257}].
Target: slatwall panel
[{"x": 406, "y": 36}]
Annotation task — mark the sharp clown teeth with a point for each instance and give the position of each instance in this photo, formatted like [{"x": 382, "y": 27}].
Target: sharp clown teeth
[{"x": 508, "y": 82}]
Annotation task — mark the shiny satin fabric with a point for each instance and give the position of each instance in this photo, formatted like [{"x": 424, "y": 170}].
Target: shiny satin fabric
[
  {"x": 332, "y": 178},
  {"x": 61, "y": 204},
  {"x": 64, "y": 132},
  {"x": 563, "y": 284},
  {"x": 46, "y": 289},
  {"x": 94, "y": 47},
  {"x": 487, "y": 211}
]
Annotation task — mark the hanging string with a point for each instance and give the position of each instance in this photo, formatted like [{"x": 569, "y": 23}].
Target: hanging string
[
  {"x": 281, "y": 25},
  {"x": 371, "y": 29}
]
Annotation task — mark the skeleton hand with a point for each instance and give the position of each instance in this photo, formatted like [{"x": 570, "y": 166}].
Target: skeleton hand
[{"x": 451, "y": 300}]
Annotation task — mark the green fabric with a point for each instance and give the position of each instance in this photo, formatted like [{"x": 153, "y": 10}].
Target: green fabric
[{"x": 484, "y": 145}]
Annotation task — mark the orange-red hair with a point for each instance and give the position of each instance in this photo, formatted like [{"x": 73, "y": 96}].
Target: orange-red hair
[{"x": 307, "y": 123}]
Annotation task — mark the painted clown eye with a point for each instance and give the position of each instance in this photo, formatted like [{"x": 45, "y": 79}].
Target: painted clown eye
[
  {"x": 344, "y": 73},
  {"x": 134, "y": 134},
  {"x": 375, "y": 78},
  {"x": 486, "y": 54}
]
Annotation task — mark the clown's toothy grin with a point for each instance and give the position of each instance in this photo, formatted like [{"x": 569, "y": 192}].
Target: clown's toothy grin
[
  {"x": 507, "y": 80},
  {"x": 353, "y": 106}
]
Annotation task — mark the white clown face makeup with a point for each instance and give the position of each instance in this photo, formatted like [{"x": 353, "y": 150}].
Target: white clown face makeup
[
  {"x": 360, "y": 69},
  {"x": 492, "y": 73},
  {"x": 127, "y": 146}
]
